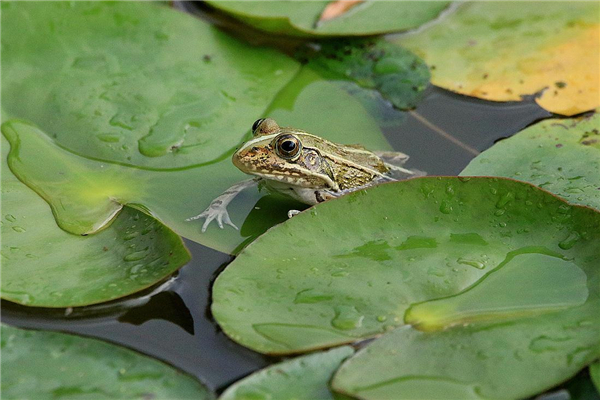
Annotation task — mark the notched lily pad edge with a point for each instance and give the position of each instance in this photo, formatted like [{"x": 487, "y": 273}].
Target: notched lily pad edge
[{"x": 361, "y": 342}]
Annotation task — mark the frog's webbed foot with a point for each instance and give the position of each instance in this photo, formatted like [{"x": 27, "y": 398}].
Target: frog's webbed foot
[
  {"x": 217, "y": 210},
  {"x": 291, "y": 213}
]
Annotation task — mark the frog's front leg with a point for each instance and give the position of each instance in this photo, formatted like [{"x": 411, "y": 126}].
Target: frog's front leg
[{"x": 218, "y": 207}]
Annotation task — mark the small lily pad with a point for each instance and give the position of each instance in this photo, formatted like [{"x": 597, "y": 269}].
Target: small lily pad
[
  {"x": 48, "y": 365},
  {"x": 44, "y": 266},
  {"x": 349, "y": 269},
  {"x": 303, "y": 18},
  {"x": 305, "y": 377},
  {"x": 502, "y": 51},
  {"x": 559, "y": 155},
  {"x": 396, "y": 73}
]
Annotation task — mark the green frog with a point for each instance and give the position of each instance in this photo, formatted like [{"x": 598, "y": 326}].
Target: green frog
[{"x": 305, "y": 167}]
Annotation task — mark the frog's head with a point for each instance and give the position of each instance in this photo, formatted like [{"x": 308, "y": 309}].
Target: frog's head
[{"x": 278, "y": 154}]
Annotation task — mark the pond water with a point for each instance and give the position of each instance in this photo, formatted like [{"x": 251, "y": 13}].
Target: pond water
[{"x": 172, "y": 321}]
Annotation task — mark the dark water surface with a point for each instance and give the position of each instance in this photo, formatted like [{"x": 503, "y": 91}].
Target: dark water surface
[{"x": 172, "y": 321}]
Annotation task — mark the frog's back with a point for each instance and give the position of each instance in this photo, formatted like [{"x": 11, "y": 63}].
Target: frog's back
[{"x": 352, "y": 165}]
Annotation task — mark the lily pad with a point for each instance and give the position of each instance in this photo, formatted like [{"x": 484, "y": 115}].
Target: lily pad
[
  {"x": 305, "y": 377},
  {"x": 559, "y": 155},
  {"x": 502, "y": 51},
  {"x": 44, "y": 266},
  {"x": 348, "y": 269},
  {"x": 302, "y": 18},
  {"x": 595, "y": 374},
  {"x": 85, "y": 193},
  {"x": 48, "y": 365},
  {"x": 134, "y": 83},
  {"x": 396, "y": 73}
]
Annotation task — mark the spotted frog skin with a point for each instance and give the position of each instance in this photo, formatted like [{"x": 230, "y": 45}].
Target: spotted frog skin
[{"x": 305, "y": 167}]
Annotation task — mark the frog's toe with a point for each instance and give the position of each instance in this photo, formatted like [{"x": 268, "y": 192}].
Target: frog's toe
[
  {"x": 291, "y": 213},
  {"x": 225, "y": 218}
]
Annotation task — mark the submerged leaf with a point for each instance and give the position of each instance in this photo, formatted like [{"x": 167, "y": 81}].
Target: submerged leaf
[
  {"x": 349, "y": 268},
  {"x": 399, "y": 75},
  {"x": 44, "y": 266},
  {"x": 501, "y": 51},
  {"x": 561, "y": 156},
  {"x": 304, "y": 18},
  {"x": 305, "y": 377},
  {"x": 48, "y": 365}
]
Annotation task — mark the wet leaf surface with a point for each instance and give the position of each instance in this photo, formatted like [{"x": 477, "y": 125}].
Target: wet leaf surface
[
  {"x": 350, "y": 268},
  {"x": 595, "y": 374},
  {"x": 559, "y": 155},
  {"x": 85, "y": 193},
  {"x": 44, "y": 266},
  {"x": 396, "y": 73},
  {"x": 302, "y": 18},
  {"x": 501, "y": 51},
  {"x": 301, "y": 378},
  {"x": 134, "y": 83},
  {"x": 48, "y": 365}
]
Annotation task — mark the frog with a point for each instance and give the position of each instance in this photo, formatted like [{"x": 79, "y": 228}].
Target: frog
[{"x": 305, "y": 167}]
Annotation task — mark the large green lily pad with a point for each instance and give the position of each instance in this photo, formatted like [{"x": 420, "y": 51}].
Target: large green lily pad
[
  {"x": 301, "y": 378},
  {"x": 562, "y": 156},
  {"x": 501, "y": 51},
  {"x": 396, "y": 73},
  {"x": 301, "y": 18},
  {"x": 47, "y": 365},
  {"x": 44, "y": 266},
  {"x": 348, "y": 269},
  {"x": 84, "y": 193},
  {"x": 134, "y": 83}
]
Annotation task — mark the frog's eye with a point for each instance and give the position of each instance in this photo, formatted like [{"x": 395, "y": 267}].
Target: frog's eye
[
  {"x": 287, "y": 146},
  {"x": 256, "y": 124}
]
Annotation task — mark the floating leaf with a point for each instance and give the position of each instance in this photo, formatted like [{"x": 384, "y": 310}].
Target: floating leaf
[
  {"x": 496, "y": 359},
  {"x": 561, "y": 156},
  {"x": 595, "y": 374},
  {"x": 348, "y": 269},
  {"x": 85, "y": 193},
  {"x": 44, "y": 266},
  {"x": 302, "y": 18},
  {"x": 133, "y": 82},
  {"x": 501, "y": 51},
  {"x": 305, "y": 377},
  {"x": 48, "y": 365},
  {"x": 399, "y": 75}
]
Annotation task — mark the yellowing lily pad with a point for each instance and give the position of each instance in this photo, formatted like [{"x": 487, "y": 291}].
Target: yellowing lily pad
[
  {"x": 304, "y": 18},
  {"x": 134, "y": 83},
  {"x": 350, "y": 268},
  {"x": 44, "y": 266},
  {"x": 47, "y": 365},
  {"x": 559, "y": 155},
  {"x": 305, "y": 377},
  {"x": 501, "y": 51}
]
